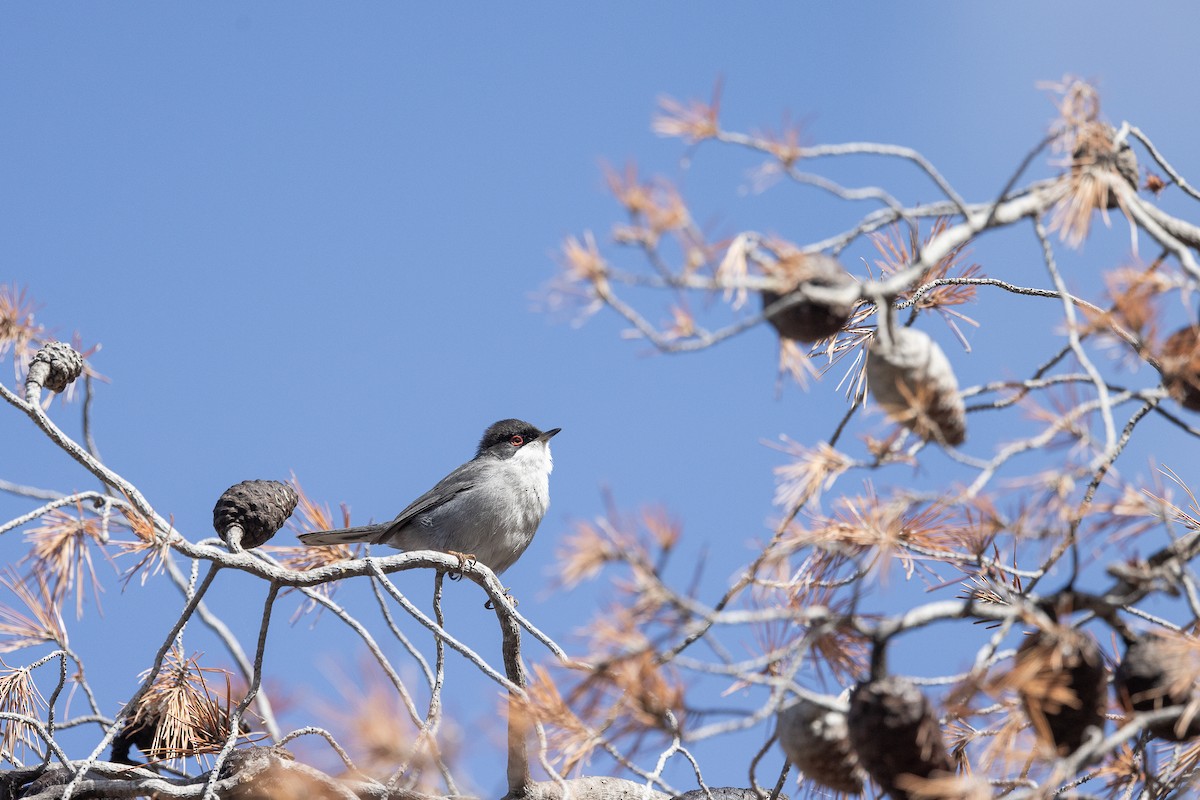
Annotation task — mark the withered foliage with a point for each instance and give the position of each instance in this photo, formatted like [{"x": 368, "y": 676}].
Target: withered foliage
[
  {"x": 312, "y": 516},
  {"x": 59, "y": 548},
  {"x": 811, "y": 471},
  {"x": 188, "y": 716},
  {"x": 1122, "y": 771},
  {"x": 877, "y": 530},
  {"x": 1099, "y": 168},
  {"x": 40, "y": 623},
  {"x": 19, "y": 332},
  {"x": 149, "y": 545},
  {"x": 1132, "y": 291},
  {"x": 1060, "y": 677},
  {"x": 694, "y": 120},
  {"x": 622, "y": 702},
  {"x": 629, "y": 693},
  {"x": 382, "y": 738},
  {"x": 19, "y": 695},
  {"x": 940, "y": 287},
  {"x": 655, "y": 207},
  {"x": 642, "y": 541}
]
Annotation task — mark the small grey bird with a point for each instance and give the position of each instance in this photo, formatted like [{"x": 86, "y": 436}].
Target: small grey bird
[{"x": 487, "y": 509}]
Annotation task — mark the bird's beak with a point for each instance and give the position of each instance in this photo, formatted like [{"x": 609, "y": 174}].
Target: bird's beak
[{"x": 548, "y": 435}]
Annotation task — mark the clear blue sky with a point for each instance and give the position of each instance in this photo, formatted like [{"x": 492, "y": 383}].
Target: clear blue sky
[{"x": 308, "y": 238}]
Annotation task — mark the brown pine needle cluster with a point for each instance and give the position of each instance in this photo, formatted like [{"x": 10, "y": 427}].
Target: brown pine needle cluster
[
  {"x": 311, "y": 516},
  {"x": 989, "y": 589},
  {"x": 580, "y": 288},
  {"x": 624, "y": 699},
  {"x": 654, "y": 207},
  {"x": 148, "y": 545},
  {"x": 1099, "y": 170},
  {"x": 1121, "y": 772},
  {"x": 1130, "y": 513},
  {"x": 642, "y": 542},
  {"x": 898, "y": 250},
  {"x": 59, "y": 550},
  {"x": 1059, "y": 675},
  {"x": 189, "y": 718},
  {"x": 585, "y": 551},
  {"x": 1189, "y": 518},
  {"x": 571, "y": 741},
  {"x": 945, "y": 787},
  {"x": 839, "y": 648},
  {"x": 1131, "y": 291},
  {"x": 1089, "y": 185},
  {"x": 649, "y": 693},
  {"x": 380, "y": 734},
  {"x": 629, "y": 694},
  {"x": 582, "y": 261},
  {"x": 43, "y": 624},
  {"x": 19, "y": 333},
  {"x": 1180, "y": 658},
  {"x": 851, "y": 343},
  {"x": 733, "y": 269},
  {"x": 785, "y": 144},
  {"x": 897, "y": 527},
  {"x": 19, "y": 695},
  {"x": 693, "y": 121},
  {"x": 795, "y": 362},
  {"x": 811, "y": 472},
  {"x": 682, "y": 324},
  {"x": 1013, "y": 746}
]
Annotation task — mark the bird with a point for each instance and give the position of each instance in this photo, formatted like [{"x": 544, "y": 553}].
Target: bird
[{"x": 486, "y": 510}]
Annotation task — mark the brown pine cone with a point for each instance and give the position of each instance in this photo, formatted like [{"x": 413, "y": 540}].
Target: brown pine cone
[
  {"x": 817, "y": 741},
  {"x": 895, "y": 732},
  {"x": 809, "y": 320},
  {"x": 1143, "y": 682},
  {"x": 912, "y": 380},
  {"x": 55, "y": 366},
  {"x": 259, "y": 507},
  {"x": 1062, "y": 684},
  {"x": 1180, "y": 361}
]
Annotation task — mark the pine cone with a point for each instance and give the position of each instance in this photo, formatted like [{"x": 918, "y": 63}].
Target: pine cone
[
  {"x": 1181, "y": 366},
  {"x": 1143, "y": 684},
  {"x": 136, "y": 732},
  {"x": 1060, "y": 679},
  {"x": 259, "y": 507},
  {"x": 895, "y": 732},
  {"x": 809, "y": 320},
  {"x": 912, "y": 380},
  {"x": 817, "y": 741},
  {"x": 55, "y": 366}
]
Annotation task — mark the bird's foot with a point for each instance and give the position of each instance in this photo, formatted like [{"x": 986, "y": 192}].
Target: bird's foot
[
  {"x": 507, "y": 595},
  {"x": 465, "y": 560}
]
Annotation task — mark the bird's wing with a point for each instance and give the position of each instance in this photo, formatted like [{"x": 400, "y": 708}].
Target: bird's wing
[{"x": 448, "y": 487}]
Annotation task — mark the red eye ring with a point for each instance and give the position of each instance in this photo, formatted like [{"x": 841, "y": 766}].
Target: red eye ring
[{"x": 517, "y": 440}]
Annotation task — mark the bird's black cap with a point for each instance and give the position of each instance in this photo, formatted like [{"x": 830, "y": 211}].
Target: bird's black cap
[{"x": 506, "y": 432}]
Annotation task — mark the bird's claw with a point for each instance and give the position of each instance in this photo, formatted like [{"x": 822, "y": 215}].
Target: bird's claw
[
  {"x": 507, "y": 596},
  {"x": 465, "y": 560}
]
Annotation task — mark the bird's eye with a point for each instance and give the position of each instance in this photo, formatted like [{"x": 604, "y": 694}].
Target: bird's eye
[{"x": 517, "y": 440}]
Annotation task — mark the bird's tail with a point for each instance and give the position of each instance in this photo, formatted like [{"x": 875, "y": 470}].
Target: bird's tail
[{"x": 363, "y": 533}]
